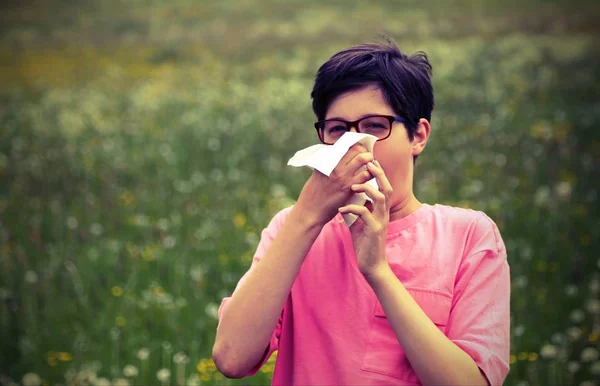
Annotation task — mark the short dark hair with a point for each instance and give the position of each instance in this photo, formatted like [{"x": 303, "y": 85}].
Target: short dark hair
[{"x": 405, "y": 81}]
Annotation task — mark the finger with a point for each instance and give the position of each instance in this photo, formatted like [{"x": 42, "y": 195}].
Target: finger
[
  {"x": 361, "y": 177},
  {"x": 384, "y": 184},
  {"x": 352, "y": 152},
  {"x": 361, "y": 211},
  {"x": 379, "y": 200},
  {"x": 358, "y": 163}
]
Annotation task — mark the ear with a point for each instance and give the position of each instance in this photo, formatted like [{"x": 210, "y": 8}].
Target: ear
[{"x": 421, "y": 137}]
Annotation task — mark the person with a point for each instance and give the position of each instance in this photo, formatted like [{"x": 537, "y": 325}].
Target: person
[{"x": 411, "y": 293}]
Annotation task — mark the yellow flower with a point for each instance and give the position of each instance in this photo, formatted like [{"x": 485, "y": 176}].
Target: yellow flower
[
  {"x": 239, "y": 220},
  {"x": 522, "y": 356},
  {"x": 120, "y": 321},
  {"x": 64, "y": 356},
  {"x": 532, "y": 357},
  {"x": 513, "y": 359},
  {"x": 593, "y": 337},
  {"x": 126, "y": 197},
  {"x": 51, "y": 358},
  {"x": 117, "y": 291},
  {"x": 158, "y": 291}
]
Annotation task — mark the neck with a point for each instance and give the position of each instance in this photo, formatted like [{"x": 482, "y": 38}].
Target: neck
[{"x": 404, "y": 207}]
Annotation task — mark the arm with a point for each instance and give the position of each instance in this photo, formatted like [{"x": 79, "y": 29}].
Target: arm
[
  {"x": 423, "y": 343},
  {"x": 257, "y": 304}
]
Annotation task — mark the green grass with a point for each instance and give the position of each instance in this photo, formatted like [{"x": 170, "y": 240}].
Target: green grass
[{"x": 143, "y": 148}]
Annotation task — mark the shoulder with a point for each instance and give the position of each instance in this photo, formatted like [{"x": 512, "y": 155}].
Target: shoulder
[{"x": 478, "y": 229}]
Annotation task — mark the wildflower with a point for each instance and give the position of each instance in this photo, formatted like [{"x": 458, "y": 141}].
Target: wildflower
[
  {"x": 532, "y": 357},
  {"x": 130, "y": 371},
  {"x": 102, "y": 382},
  {"x": 72, "y": 223},
  {"x": 574, "y": 333},
  {"x": 180, "y": 358},
  {"x": 522, "y": 356},
  {"x": 573, "y": 367},
  {"x": 116, "y": 291},
  {"x": 96, "y": 229},
  {"x": 163, "y": 375},
  {"x": 120, "y": 321},
  {"x": 239, "y": 220},
  {"x": 593, "y": 306},
  {"x": 519, "y": 330},
  {"x": 589, "y": 354},
  {"x": 548, "y": 351},
  {"x": 571, "y": 290},
  {"x": 31, "y": 277},
  {"x": 120, "y": 382},
  {"x": 193, "y": 380},
  {"x": 593, "y": 337},
  {"x": 587, "y": 383},
  {"x": 577, "y": 316},
  {"x": 31, "y": 379},
  {"x": 512, "y": 359},
  {"x": 212, "y": 310},
  {"x": 143, "y": 354},
  {"x": 64, "y": 356}
]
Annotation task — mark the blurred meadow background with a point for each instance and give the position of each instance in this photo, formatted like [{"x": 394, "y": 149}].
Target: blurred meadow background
[{"x": 143, "y": 148}]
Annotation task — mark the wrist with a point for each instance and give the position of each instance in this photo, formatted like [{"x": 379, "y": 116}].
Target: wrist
[
  {"x": 306, "y": 218},
  {"x": 378, "y": 275}
]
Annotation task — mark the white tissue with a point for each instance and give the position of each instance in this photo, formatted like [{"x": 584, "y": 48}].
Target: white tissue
[{"x": 325, "y": 158}]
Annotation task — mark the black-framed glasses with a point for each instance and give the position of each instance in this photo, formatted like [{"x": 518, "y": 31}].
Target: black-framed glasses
[{"x": 380, "y": 126}]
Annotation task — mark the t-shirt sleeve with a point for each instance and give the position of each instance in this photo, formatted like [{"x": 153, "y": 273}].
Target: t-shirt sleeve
[
  {"x": 267, "y": 236},
  {"x": 479, "y": 321}
]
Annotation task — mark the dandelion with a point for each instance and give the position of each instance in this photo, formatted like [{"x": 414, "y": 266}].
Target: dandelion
[
  {"x": 96, "y": 229},
  {"x": 558, "y": 338},
  {"x": 64, "y": 356},
  {"x": 31, "y": 277},
  {"x": 130, "y": 371},
  {"x": 593, "y": 306},
  {"x": 239, "y": 220},
  {"x": 573, "y": 367},
  {"x": 120, "y": 321},
  {"x": 143, "y": 354},
  {"x": 212, "y": 310},
  {"x": 571, "y": 290},
  {"x": 120, "y": 382},
  {"x": 589, "y": 354},
  {"x": 574, "y": 333},
  {"x": 102, "y": 382},
  {"x": 116, "y": 291},
  {"x": 519, "y": 330},
  {"x": 163, "y": 375},
  {"x": 193, "y": 380},
  {"x": 532, "y": 357},
  {"x": 587, "y": 383},
  {"x": 577, "y": 316},
  {"x": 72, "y": 223},
  {"x": 512, "y": 359},
  {"x": 548, "y": 351},
  {"x": 31, "y": 379},
  {"x": 522, "y": 356}
]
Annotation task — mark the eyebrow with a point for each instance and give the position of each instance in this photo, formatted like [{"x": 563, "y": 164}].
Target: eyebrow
[{"x": 360, "y": 117}]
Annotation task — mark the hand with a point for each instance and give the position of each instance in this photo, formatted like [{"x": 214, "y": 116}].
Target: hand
[
  {"x": 370, "y": 229},
  {"x": 321, "y": 196}
]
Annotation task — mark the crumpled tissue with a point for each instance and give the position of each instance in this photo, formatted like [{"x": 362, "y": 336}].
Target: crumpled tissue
[{"x": 325, "y": 158}]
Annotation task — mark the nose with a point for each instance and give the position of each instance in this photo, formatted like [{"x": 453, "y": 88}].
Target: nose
[{"x": 355, "y": 127}]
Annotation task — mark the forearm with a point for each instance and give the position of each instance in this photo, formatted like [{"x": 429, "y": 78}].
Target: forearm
[
  {"x": 249, "y": 319},
  {"x": 435, "y": 359}
]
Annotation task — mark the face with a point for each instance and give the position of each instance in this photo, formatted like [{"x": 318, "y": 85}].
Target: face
[{"x": 395, "y": 154}]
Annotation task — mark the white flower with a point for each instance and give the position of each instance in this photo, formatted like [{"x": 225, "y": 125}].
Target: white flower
[
  {"x": 163, "y": 375},
  {"x": 589, "y": 354},
  {"x": 31, "y": 277},
  {"x": 574, "y": 333},
  {"x": 548, "y": 351},
  {"x": 593, "y": 306},
  {"x": 31, "y": 379},
  {"x": 519, "y": 330},
  {"x": 72, "y": 223},
  {"x": 212, "y": 310},
  {"x": 587, "y": 383},
  {"x": 120, "y": 382},
  {"x": 101, "y": 382},
  {"x": 180, "y": 358},
  {"x": 595, "y": 368},
  {"x": 143, "y": 354},
  {"x": 573, "y": 367},
  {"x": 594, "y": 285},
  {"x": 577, "y": 316},
  {"x": 130, "y": 371},
  {"x": 96, "y": 229},
  {"x": 571, "y": 290},
  {"x": 520, "y": 281},
  {"x": 193, "y": 380},
  {"x": 558, "y": 338}
]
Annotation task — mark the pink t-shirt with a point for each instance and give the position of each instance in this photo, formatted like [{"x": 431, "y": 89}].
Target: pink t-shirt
[{"x": 333, "y": 330}]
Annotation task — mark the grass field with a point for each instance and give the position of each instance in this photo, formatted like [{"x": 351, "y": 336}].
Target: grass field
[{"x": 143, "y": 148}]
